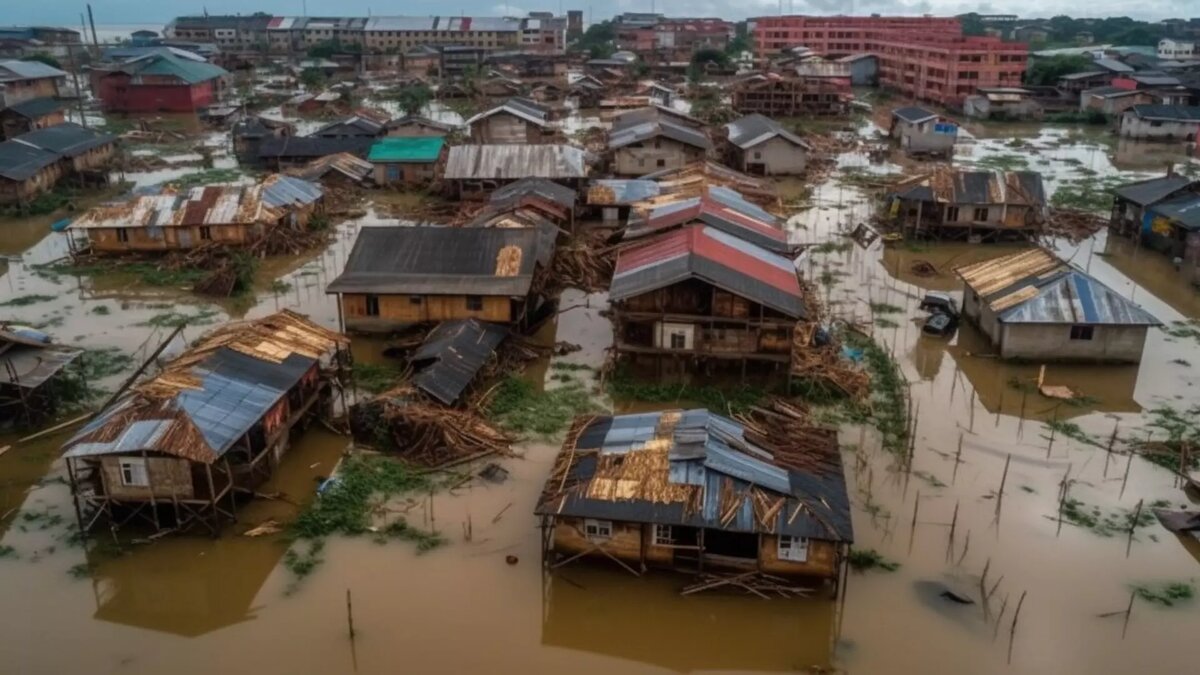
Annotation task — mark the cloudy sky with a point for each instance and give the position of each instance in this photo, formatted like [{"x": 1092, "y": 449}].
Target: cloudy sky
[{"x": 158, "y": 11}]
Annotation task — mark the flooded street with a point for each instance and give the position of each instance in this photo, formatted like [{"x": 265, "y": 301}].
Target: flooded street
[{"x": 196, "y": 605}]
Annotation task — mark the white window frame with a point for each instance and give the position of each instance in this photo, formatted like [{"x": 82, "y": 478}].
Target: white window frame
[
  {"x": 133, "y": 472},
  {"x": 597, "y": 530},
  {"x": 792, "y": 548},
  {"x": 664, "y": 535}
]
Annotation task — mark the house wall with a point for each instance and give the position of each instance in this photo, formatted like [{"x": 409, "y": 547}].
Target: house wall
[
  {"x": 19, "y": 91},
  {"x": 776, "y": 156},
  {"x": 1113, "y": 106},
  {"x": 1122, "y": 344},
  {"x": 654, "y": 155},
  {"x": 118, "y": 93},
  {"x": 15, "y": 125},
  {"x": 168, "y": 238},
  {"x": 414, "y": 130},
  {"x": 1135, "y": 127},
  {"x": 504, "y": 128},
  {"x": 822, "y": 558},
  {"x": 168, "y": 476},
  {"x": 400, "y": 172},
  {"x": 94, "y": 158},
  {"x": 998, "y": 215},
  {"x": 396, "y": 311},
  {"x": 625, "y": 543},
  {"x": 16, "y": 191}
]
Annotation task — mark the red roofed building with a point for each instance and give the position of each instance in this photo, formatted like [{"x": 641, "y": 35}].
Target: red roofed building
[
  {"x": 926, "y": 58},
  {"x": 702, "y": 293}
]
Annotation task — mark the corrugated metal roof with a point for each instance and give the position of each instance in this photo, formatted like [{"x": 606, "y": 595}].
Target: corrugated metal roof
[
  {"x": 67, "y": 139},
  {"x": 823, "y": 69},
  {"x": 432, "y": 260},
  {"x": 689, "y": 463},
  {"x": 1145, "y": 192},
  {"x": 699, "y": 252},
  {"x": 169, "y": 64},
  {"x": 534, "y": 114},
  {"x": 344, "y": 163},
  {"x": 1170, "y": 113},
  {"x": 662, "y": 126},
  {"x": 19, "y": 161},
  {"x": 1083, "y": 76},
  {"x": 1113, "y": 66},
  {"x": 37, "y": 107},
  {"x": 751, "y": 130},
  {"x": 913, "y": 114},
  {"x": 951, "y": 186},
  {"x": 1037, "y": 287},
  {"x": 452, "y": 354},
  {"x": 407, "y": 149},
  {"x": 355, "y": 125},
  {"x": 513, "y": 161},
  {"x": 420, "y": 121},
  {"x": 1184, "y": 211},
  {"x": 13, "y": 69},
  {"x": 541, "y": 187},
  {"x": 718, "y": 209},
  {"x": 288, "y": 147},
  {"x": 29, "y": 363}
]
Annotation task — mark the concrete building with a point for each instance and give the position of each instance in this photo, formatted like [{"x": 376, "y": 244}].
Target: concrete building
[
  {"x": 777, "y": 96},
  {"x": 926, "y": 58},
  {"x": 1161, "y": 122},
  {"x": 674, "y": 39},
  {"x": 1177, "y": 50},
  {"x": 923, "y": 133},
  {"x": 760, "y": 145},
  {"x": 1036, "y": 307},
  {"x": 1002, "y": 103}
]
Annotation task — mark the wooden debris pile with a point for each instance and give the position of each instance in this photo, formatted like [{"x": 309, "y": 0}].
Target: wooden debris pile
[
  {"x": 1073, "y": 224},
  {"x": 785, "y": 428},
  {"x": 817, "y": 355},
  {"x": 586, "y": 263},
  {"x": 428, "y": 434}
]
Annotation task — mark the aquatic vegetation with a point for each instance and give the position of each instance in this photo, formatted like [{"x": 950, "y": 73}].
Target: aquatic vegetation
[
  {"x": 888, "y": 406},
  {"x": 1165, "y": 594},
  {"x": 374, "y": 378},
  {"x": 862, "y": 560},
  {"x": 724, "y": 400},
  {"x": 171, "y": 319},
  {"x": 884, "y": 322},
  {"x": 208, "y": 177},
  {"x": 519, "y": 406},
  {"x": 885, "y": 308},
  {"x": 563, "y": 365},
  {"x": 1105, "y": 523},
  {"x": 1188, "y": 329},
  {"x": 27, "y": 300},
  {"x": 832, "y": 247},
  {"x": 1002, "y": 162}
]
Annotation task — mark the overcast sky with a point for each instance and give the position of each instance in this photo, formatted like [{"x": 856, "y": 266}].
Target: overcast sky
[{"x": 159, "y": 11}]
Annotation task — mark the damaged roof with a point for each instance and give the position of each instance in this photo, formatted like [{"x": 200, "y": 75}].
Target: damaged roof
[
  {"x": 434, "y": 260},
  {"x": 28, "y": 363},
  {"x": 452, "y": 355},
  {"x": 513, "y": 161},
  {"x": 344, "y": 163},
  {"x": 952, "y": 186},
  {"x": 699, "y": 469},
  {"x": 621, "y": 192},
  {"x": 201, "y": 403},
  {"x": 751, "y": 130},
  {"x": 713, "y": 256},
  {"x": 1035, "y": 286},
  {"x": 355, "y": 125},
  {"x": 265, "y": 202},
  {"x": 1183, "y": 210}
]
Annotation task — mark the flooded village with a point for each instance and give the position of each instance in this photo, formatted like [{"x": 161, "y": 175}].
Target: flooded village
[{"x": 439, "y": 344}]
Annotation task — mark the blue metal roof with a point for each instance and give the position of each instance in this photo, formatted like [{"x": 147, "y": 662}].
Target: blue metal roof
[{"x": 1070, "y": 296}]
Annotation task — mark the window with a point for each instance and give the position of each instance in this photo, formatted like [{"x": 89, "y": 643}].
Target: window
[
  {"x": 1082, "y": 332},
  {"x": 597, "y": 529},
  {"x": 663, "y": 535},
  {"x": 757, "y": 154},
  {"x": 981, "y": 215},
  {"x": 475, "y": 303},
  {"x": 414, "y": 299},
  {"x": 122, "y": 235},
  {"x": 793, "y": 548},
  {"x": 662, "y": 163},
  {"x": 952, "y": 214},
  {"x": 372, "y": 305},
  {"x": 133, "y": 472},
  {"x": 206, "y": 233},
  {"x": 678, "y": 340}
]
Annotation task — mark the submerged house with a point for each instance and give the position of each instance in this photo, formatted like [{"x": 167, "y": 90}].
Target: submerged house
[
  {"x": 30, "y": 369},
  {"x": 398, "y": 276},
  {"x": 760, "y": 145},
  {"x": 474, "y": 171},
  {"x": 171, "y": 221},
  {"x": 691, "y": 490},
  {"x": 174, "y": 451},
  {"x": 921, "y": 132},
  {"x": 700, "y": 293},
  {"x": 1162, "y": 214},
  {"x": 1002, "y": 103},
  {"x": 35, "y": 162},
  {"x": 968, "y": 204},
  {"x": 1034, "y": 306},
  {"x": 451, "y": 356},
  {"x": 1161, "y": 122},
  {"x": 643, "y": 141},
  {"x": 1130, "y": 201}
]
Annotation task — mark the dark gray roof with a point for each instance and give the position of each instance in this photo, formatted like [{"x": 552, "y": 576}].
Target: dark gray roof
[
  {"x": 1113, "y": 66},
  {"x": 541, "y": 187},
  {"x": 1174, "y": 113},
  {"x": 753, "y": 129},
  {"x": 350, "y": 126},
  {"x": 309, "y": 147},
  {"x": 708, "y": 451},
  {"x": 432, "y": 260},
  {"x": 1184, "y": 210},
  {"x": 19, "y": 161},
  {"x": 1155, "y": 79},
  {"x": 452, "y": 354},
  {"x": 1146, "y": 192},
  {"x": 35, "y": 108},
  {"x": 67, "y": 139},
  {"x": 662, "y": 126},
  {"x": 913, "y": 114},
  {"x": 419, "y": 121},
  {"x": 13, "y": 69}
]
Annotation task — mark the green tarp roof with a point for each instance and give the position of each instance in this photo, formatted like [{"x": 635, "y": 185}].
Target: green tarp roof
[
  {"x": 188, "y": 70},
  {"x": 408, "y": 149}
]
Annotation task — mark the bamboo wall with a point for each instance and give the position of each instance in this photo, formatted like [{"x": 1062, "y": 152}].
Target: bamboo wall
[
  {"x": 168, "y": 476},
  {"x": 397, "y": 310},
  {"x": 167, "y": 238}
]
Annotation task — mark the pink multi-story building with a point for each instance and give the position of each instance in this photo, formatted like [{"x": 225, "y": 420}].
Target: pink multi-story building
[{"x": 926, "y": 58}]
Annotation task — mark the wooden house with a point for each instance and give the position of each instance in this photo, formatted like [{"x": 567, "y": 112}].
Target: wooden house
[
  {"x": 22, "y": 81},
  {"x": 342, "y": 169},
  {"x": 968, "y": 204},
  {"x": 1161, "y": 123},
  {"x": 407, "y": 160},
  {"x": 279, "y": 152},
  {"x": 30, "y": 115},
  {"x": 36, "y": 161},
  {"x": 647, "y": 140},
  {"x": 759, "y": 145},
  {"x": 702, "y": 294},
  {"x": 354, "y": 126},
  {"x": 398, "y": 276},
  {"x": 1131, "y": 201},
  {"x": 162, "y": 81},
  {"x": 474, "y": 171},
  {"x": 1035, "y": 307},
  {"x": 173, "y": 451},
  {"x": 415, "y": 125},
  {"x": 1003, "y": 103},
  {"x": 31, "y": 370},
  {"x": 26, "y": 172},
  {"x": 716, "y": 206},
  {"x": 517, "y": 120},
  {"x": 694, "y": 491},
  {"x": 778, "y": 96},
  {"x": 248, "y": 135},
  {"x": 553, "y": 201},
  {"x": 173, "y": 221}
]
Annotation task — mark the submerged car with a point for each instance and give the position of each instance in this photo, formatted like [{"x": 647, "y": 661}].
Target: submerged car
[
  {"x": 940, "y": 324},
  {"x": 939, "y": 302}
]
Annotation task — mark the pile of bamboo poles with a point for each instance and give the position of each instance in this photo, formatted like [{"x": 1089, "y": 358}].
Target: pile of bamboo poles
[
  {"x": 1073, "y": 224},
  {"x": 425, "y": 433},
  {"x": 585, "y": 263}
]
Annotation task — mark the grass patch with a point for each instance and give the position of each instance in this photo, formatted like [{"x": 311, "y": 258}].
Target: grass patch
[
  {"x": 27, "y": 300},
  {"x": 144, "y": 272},
  {"x": 884, "y": 322},
  {"x": 280, "y": 286},
  {"x": 1166, "y": 594},
  {"x": 521, "y": 407},
  {"x": 1188, "y": 329},
  {"x": 207, "y": 177},
  {"x": 102, "y": 310},
  {"x": 376, "y": 377},
  {"x": 1087, "y": 194},
  {"x": 7, "y": 551},
  {"x": 832, "y": 247},
  {"x": 862, "y": 560},
  {"x": 1003, "y": 162},
  {"x": 723, "y": 400},
  {"x": 887, "y": 410},
  {"x": 171, "y": 319},
  {"x": 1072, "y": 431},
  {"x": 885, "y": 308},
  {"x": 570, "y": 367}
]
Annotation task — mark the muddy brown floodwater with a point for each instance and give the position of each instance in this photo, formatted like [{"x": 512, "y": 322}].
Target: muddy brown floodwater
[{"x": 196, "y": 605}]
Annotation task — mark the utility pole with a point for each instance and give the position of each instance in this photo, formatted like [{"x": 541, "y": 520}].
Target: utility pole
[
  {"x": 75, "y": 76},
  {"x": 92, "y": 20}
]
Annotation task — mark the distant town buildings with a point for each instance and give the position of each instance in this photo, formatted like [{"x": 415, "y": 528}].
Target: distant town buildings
[
  {"x": 926, "y": 58},
  {"x": 673, "y": 38}
]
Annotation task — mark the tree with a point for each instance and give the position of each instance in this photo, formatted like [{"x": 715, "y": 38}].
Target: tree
[
  {"x": 597, "y": 40},
  {"x": 42, "y": 57},
  {"x": 312, "y": 78},
  {"x": 325, "y": 50},
  {"x": 703, "y": 57},
  {"x": 413, "y": 98},
  {"x": 1046, "y": 71},
  {"x": 972, "y": 24}
]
